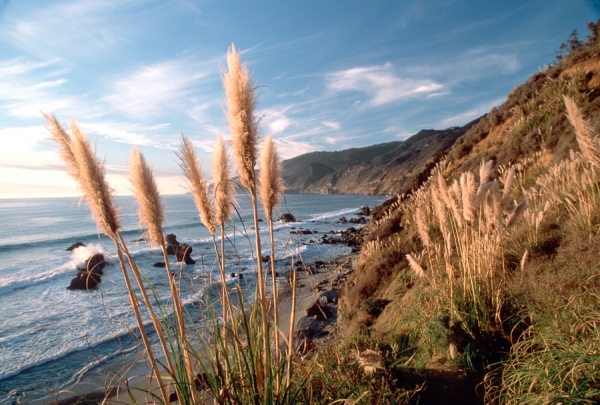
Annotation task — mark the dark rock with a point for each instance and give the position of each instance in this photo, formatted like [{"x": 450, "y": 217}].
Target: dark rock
[
  {"x": 266, "y": 259},
  {"x": 311, "y": 241},
  {"x": 75, "y": 246},
  {"x": 343, "y": 220},
  {"x": 330, "y": 296},
  {"x": 319, "y": 263},
  {"x": 182, "y": 251},
  {"x": 365, "y": 211},
  {"x": 359, "y": 220},
  {"x": 244, "y": 268},
  {"x": 304, "y": 232},
  {"x": 316, "y": 311},
  {"x": 171, "y": 243},
  {"x": 260, "y": 220},
  {"x": 287, "y": 217},
  {"x": 160, "y": 264},
  {"x": 91, "y": 275},
  {"x": 140, "y": 240}
]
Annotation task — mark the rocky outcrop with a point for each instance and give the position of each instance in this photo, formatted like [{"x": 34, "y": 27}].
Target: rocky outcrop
[
  {"x": 182, "y": 251},
  {"x": 75, "y": 246},
  {"x": 89, "y": 276},
  {"x": 287, "y": 217}
]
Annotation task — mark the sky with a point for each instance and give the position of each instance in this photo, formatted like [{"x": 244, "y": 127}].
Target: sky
[{"x": 332, "y": 75}]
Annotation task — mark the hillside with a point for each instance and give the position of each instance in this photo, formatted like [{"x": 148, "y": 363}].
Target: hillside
[
  {"x": 489, "y": 263},
  {"x": 377, "y": 169}
]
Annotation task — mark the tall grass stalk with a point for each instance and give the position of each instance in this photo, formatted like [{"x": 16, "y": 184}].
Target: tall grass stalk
[
  {"x": 151, "y": 216},
  {"x": 88, "y": 171},
  {"x": 271, "y": 189},
  {"x": 243, "y": 125}
]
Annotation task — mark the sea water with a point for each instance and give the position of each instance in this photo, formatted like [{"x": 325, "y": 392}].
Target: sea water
[{"x": 52, "y": 337}]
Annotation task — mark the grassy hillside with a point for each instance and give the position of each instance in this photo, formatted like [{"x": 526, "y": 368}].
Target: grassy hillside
[{"x": 491, "y": 265}]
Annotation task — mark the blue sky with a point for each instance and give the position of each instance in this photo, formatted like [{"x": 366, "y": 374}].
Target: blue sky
[{"x": 332, "y": 74}]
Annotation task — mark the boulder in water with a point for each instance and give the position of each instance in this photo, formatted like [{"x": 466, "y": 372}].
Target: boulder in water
[
  {"x": 75, "y": 246},
  {"x": 91, "y": 275},
  {"x": 182, "y": 251},
  {"x": 287, "y": 217}
]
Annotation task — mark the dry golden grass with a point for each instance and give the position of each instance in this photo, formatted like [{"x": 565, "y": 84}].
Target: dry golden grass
[
  {"x": 150, "y": 208},
  {"x": 88, "y": 171},
  {"x": 190, "y": 164},
  {"x": 224, "y": 186},
  {"x": 240, "y": 114},
  {"x": 271, "y": 184}
]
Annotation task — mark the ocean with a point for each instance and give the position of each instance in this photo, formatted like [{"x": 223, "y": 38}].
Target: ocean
[{"x": 51, "y": 337}]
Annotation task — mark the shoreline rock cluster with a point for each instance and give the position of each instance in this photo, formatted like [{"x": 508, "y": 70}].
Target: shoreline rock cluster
[{"x": 90, "y": 276}]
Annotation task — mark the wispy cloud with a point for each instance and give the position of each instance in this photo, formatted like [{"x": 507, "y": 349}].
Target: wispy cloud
[
  {"x": 28, "y": 87},
  {"x": 132, "y": 134},
  {"x": 289, "y": 148},
  {"x": 73, "y": 27},
  {"x": 333, "y": 125},
  {"x": 165, "y": 86},
  {"x": 381, "y": 84}
]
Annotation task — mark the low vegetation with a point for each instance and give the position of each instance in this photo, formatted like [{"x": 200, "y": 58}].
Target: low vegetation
[{"x": 491, "y": 264}]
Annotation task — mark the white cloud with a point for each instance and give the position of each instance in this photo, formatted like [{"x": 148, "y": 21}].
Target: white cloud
[
  {"x": 276, "y": 119},
  {"x": 333, "y": 125},
  {"x": 288, "y": 148},
  {"x": 161, "y": 87},
  {"x": 30, "y": 87},
  {"x": 68, "y": 28},
  {"x": 381, "y": 84},
  {"x": 125, "y": 133}
]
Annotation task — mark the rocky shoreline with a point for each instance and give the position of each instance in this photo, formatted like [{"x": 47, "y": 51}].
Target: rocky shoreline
[{"x": 316, "y": 314}]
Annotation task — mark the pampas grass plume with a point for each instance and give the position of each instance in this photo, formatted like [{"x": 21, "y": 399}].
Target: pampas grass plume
[
  {"x": 190, "y": 165},
  {"x": 146, "y": 192},
  {"x": 241, "y": 103},
  {"x": 271, "y": 185},
  {"x": 224, "y": 196},
  {"x": 88, "y": 171},
  {"x": 583, "y": 130},
  {"x": 415, "y": 266},
  {"x": 516, "y": 214}
]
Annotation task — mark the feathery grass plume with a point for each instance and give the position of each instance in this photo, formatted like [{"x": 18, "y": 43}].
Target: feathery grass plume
[
  {"x": 524, "y": 260},
  {"x": 516, "y": 214},
  {"x": 243, "y": 124},
  {"x": 422, "y": 227},
  {"x": 440, "y": 209},
  {"x": 508, "y": 182},
  {"x": 224, "y": 186},
  {"x": 241, "y": 103},
  {"x": 150, "y": 209},
  {"x": 271, "y": 185},
  {"x": 416, "y": 267},
  {"x": 271, "y": 189},
  {"x": 151, "y": 217},
  {"x": 467, "y": 186},
  {"x": 450, "y": 199},
  {"x": 88, "y": 171},
  {"x": 583, "y": 130},
  {"x": 485, "y": 172},
  {"x": 190, "y": 165}
]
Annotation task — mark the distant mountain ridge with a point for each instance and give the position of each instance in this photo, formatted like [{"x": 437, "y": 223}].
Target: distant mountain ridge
[{"x": 378, "y": 169}]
